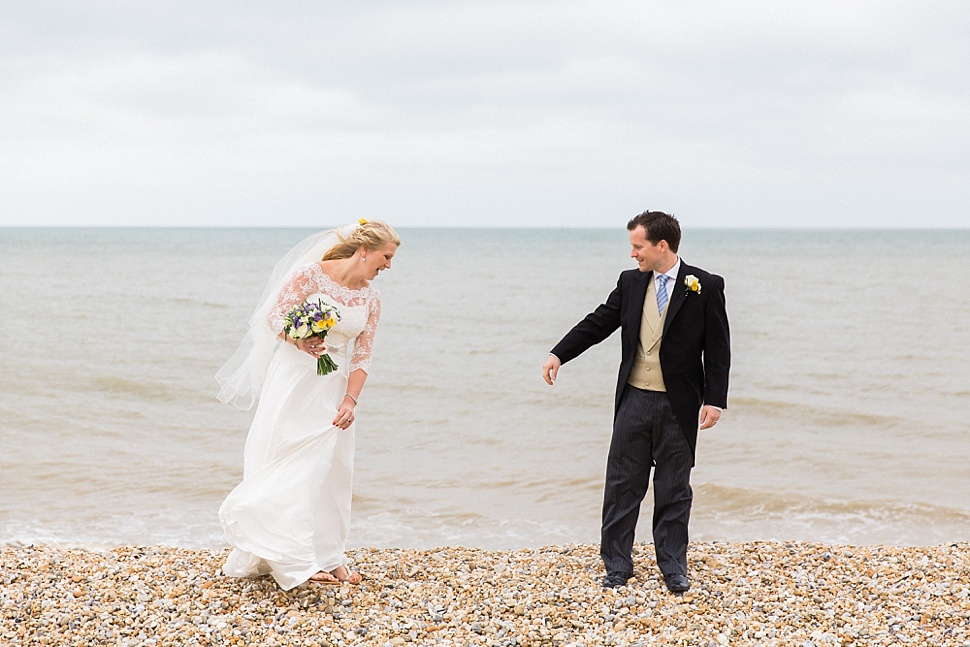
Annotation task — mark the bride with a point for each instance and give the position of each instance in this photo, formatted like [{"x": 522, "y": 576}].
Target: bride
[{"x": 290, "y": 515}]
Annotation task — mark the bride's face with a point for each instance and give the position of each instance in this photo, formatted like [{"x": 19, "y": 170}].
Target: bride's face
[{"x": 377, "y": 260}]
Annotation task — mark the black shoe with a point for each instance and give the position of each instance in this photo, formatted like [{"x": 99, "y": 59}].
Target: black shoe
[
  {"x": 677, "y": 583},
  {"x": 615, "y": 580}
]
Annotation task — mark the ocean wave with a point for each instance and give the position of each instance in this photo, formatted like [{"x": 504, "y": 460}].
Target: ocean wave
[
  {"x": 807, "y": 413},
  {"x": 186, "y": 301},
  {"x": 423, "y": 529},
  {"x": 738, "y": 514},
  {"x": 142, "y": 388},
  {"x": 165, "y": 527},
  {"x": 720, "y": 514}
]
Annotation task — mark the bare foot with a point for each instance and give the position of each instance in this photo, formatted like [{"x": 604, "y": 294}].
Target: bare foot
[
  {"x": 343, "y": 574},
  {"x": 324, "y": 577}
]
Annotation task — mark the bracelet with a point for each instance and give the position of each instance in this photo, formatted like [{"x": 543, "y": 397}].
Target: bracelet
[{"x": 347, "y": 395}]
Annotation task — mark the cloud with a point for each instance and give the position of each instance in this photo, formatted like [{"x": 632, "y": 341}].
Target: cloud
[{"x": 479, "y": 113}]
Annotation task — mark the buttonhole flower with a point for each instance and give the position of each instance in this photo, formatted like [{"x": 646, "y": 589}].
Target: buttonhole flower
[{"x": 691, "y": 284}]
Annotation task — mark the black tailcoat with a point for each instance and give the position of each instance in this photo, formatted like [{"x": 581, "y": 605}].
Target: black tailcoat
[{"x": 695, "y": 351}]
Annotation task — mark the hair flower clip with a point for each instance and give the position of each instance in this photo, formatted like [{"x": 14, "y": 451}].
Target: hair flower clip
[
  {"x": 362, "y": 221},
  {"x": 691, "y": 284}
]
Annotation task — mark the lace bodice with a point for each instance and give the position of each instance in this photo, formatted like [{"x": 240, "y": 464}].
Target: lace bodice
[{"x": 360, "y": 311}]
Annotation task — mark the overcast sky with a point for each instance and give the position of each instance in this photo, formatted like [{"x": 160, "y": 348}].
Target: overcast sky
[{"x": 465, "y": 113}]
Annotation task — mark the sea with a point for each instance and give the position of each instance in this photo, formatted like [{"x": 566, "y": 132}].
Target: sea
[{"x": 848, "y": 419}]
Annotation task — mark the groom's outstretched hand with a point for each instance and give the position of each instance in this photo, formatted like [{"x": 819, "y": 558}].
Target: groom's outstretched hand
[{"x": 551, "y": 369}]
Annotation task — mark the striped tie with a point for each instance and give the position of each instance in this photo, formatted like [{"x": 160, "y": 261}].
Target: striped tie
[{"x": 661, "y": 292}]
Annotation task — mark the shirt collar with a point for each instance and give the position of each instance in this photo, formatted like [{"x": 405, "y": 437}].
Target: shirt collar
[{"x": 671, "y": 273}]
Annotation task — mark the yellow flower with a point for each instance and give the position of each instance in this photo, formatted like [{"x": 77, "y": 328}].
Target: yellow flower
[
  {"x": 322, "y": 325},
  {"x": 362, "y": 221},
  {"x": 692, "y": 283}
]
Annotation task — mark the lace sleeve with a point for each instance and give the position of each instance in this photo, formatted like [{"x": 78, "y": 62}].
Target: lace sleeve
[
  {"x": 364, "y": 343},
  {"x": 293, "y": 293}
]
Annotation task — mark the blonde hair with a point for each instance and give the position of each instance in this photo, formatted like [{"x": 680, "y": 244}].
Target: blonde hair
[{"x": 372, "y": 235}]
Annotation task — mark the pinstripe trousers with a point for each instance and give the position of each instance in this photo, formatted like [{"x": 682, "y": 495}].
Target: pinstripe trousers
[{"x": 646, "y": 434}]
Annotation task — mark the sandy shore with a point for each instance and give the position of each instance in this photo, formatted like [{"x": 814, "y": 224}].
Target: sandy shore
[{"x": 743, "y": 594}]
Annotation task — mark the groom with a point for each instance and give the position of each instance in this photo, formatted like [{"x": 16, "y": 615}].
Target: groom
[{"x": 673, "y": 372}]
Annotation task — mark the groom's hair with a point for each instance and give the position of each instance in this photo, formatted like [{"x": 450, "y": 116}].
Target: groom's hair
[{"x": 659, "y": 226}]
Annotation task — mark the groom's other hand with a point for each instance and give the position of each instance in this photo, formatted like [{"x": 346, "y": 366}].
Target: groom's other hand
[
  {"x": 709, "y": 416},
  {"x": 551, "y": 369}
]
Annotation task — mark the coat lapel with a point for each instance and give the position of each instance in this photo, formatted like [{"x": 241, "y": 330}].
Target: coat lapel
[
  {"x": 634, "y": 313},
  {"x": 677, "y": 296},
  {"x": 650, "y": 317},
  {"x": 639, "y": 294}
]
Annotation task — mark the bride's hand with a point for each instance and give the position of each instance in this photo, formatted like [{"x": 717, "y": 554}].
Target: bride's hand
[
  {"x": 314, "y": 346},
  {"x": 345, "y": 414}
]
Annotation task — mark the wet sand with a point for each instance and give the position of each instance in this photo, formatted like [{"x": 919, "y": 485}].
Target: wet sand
[{"x": 743, "y": 594}]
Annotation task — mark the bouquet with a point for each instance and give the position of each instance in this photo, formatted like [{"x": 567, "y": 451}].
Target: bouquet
[{"x": 313, "y": 320}]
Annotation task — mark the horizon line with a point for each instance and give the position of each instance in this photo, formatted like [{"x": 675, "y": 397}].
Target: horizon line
[{"x": 540, "y": 227}]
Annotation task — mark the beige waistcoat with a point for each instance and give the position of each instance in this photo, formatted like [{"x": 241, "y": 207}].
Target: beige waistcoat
[{"x": 646, "y": 373}]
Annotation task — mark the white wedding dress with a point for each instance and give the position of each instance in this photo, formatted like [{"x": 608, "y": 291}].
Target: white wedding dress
[{"x": 290, "y": 516}]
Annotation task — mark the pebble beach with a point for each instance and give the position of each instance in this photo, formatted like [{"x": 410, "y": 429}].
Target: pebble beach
[{"x": 770, "y": 593}]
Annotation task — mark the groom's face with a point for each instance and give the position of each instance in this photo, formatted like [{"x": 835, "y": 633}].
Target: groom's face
[{"x": 647, "y": 255}]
